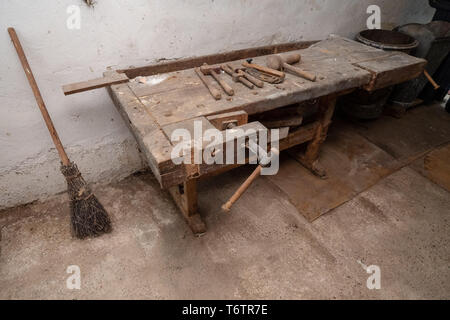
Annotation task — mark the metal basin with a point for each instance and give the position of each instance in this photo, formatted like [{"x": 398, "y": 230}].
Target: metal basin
[{"x": 387, "y": 40}]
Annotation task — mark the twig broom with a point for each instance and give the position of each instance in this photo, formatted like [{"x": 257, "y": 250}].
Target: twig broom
[{"x": 88, "y": 217}]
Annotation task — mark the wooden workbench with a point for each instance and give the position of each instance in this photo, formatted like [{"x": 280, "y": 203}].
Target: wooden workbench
[{"x": 153, "y": 111}]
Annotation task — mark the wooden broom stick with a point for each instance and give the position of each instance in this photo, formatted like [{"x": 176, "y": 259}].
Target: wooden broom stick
[{"x": 37, "y": 94}]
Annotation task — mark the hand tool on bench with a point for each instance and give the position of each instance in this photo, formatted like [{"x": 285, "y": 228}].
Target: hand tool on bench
[
  {"x": 237, "y": 77},
  {"x": 89, "y": 218},
  {"x": 242, "y": 73},
  {"x": 263, "y": 162},
  {"x": 250, "y": 78},
  {"x": 215, "y": 92},
  {"x": 262, "y": 76},
  {"x": 280, "y": 75},
  {"x": 278, "y": 62},
  {"x": 214, "y": 72}
]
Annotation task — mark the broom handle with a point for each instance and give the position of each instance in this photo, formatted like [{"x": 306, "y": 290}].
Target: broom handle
[{"x": 37, "y": 95}]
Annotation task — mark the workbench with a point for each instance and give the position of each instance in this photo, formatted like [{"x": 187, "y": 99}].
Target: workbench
[{"x": 153, "y": 111}]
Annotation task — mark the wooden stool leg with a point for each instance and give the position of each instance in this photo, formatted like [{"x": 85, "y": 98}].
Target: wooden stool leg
[
  {"x": 310, "y": 158},
  {"x": 185, "y": 196}
]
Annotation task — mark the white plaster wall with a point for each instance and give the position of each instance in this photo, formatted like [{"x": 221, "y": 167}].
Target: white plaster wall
[{"x": 121, "y": 33}]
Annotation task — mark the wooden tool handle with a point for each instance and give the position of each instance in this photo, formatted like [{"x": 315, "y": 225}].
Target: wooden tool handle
[
  {"x": 213, "y": 90},
  {"x": 228, "y": 90},
  {"x": 252, "y": 79},
  {"x": 235, "y": 197},
  {"x": 299, "y": 72},
  {"x": 433, "y": 83},
  {"x": 270, "y": 71},
  {"x": 236, "y": 77},
  {"x": 245, "y": 82},
  {"x": 38, "y": 97},
  {"x": 227, "y": 69}
]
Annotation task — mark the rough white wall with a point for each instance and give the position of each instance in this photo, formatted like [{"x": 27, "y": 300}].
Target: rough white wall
[{"x": 121, "y": 33}]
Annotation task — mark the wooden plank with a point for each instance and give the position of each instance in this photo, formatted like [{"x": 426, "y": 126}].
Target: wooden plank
[
  {"x": 188, "y": 125},
  {"x": 151, "y": 139},
  {"x": 393, "y": 69},
  {"x": 113, "y": 78},
  {"x": 387, "y": 67},
  {"x": 299, "y": 136},
  {"x": 286, "y": 121},
  {"x": 182, "y": 64},
  {"x": 351, "y": 51}
]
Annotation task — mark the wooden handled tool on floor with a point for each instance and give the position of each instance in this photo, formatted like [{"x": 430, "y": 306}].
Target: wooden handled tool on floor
[
  {"x": 235, "y": 197},
  {"x": 215, "y": 92},
  {"x": 88, "y": 217},
  {"x": 264, "y": 161},
  {"x": 279, "y": 63},
  {"x": 433, "y": 83},
  {"x": 213, "y": 71}
]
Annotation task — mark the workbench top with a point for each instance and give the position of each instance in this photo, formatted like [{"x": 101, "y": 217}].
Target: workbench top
[{"x": 179, "y": 97}]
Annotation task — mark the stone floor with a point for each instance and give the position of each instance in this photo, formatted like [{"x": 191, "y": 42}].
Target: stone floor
[{"x": 264, "y": 249}]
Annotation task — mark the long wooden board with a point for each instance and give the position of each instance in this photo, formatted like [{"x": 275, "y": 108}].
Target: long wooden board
[
  {"x": 113, "y": 78},
  {"x": 182, "y": 64}
]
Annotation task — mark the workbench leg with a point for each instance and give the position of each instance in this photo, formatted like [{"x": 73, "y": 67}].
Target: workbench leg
[
  {"x": 310, "y": 158},
  {"x": 185, "y": 196}
]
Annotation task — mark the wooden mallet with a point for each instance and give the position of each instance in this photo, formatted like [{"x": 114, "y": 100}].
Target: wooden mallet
[{"x": 278, "y": 62}]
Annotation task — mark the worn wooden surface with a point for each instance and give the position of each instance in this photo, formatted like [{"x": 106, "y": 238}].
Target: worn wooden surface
[{"x": 340, "y": 65}]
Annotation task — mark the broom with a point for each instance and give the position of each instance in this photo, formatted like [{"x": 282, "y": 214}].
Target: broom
[{"x": 88, "y": 217}]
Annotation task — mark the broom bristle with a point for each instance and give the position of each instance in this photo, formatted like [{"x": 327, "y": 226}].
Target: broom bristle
[{"x": 89, "y": 218}]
